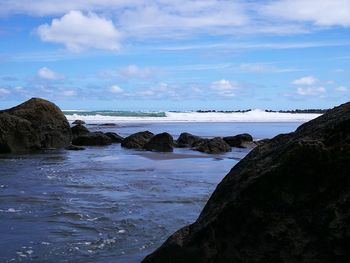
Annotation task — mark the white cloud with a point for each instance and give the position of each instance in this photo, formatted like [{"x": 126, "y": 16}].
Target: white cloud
[
  {"x": 133, "y": 71},
  {"x": 4, "y": 91},
  {"x": 69, "y": 93},
  {"x": 116, "y": 89},
  {"x": 310, "y": 91},
  {"x": 321, "y": 13},
  {"x": 308, "y": 80},
  {"x": 78, "y": 32},
  {"x": 46, "y": 73},
  {"x": 225, "y": 87},
  {"x": 341, "y": 89}
]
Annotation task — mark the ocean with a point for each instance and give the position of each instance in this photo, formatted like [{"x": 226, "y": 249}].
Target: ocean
[{"x": 109, "y": 204}]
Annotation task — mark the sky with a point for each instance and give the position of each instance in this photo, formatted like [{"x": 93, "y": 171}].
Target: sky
[{"x": 175, "y": 55}]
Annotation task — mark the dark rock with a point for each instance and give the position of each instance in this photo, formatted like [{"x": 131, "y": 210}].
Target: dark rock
[
  {"x": 78, "y": 122},
  {"x": 187, "y": 140},
  {"x": 108, "y": 125},
  {"x": 116, "y": 138},
  {"x": 212, "y": 146},
  {"x": 75, "y": 148},
  {"x": 238, "y": 140},
  {"x": 79, "y": 130},
  {"x": 260, "y": 142},
  {"x": 92, "y": 139},
  {"x": 137, "y": 140},
  {"x": 162, "y": 142},
  {"x": 287, "y": 201},
  {"x": 34, "y": 124}
]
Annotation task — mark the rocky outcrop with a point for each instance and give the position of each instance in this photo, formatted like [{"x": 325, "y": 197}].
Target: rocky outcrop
[
  {"x": 79, "y": 130},
  {"x": 187, "y": 140},
  {"x": 287, "y": 201},
  {"x": 92, "y": 139},
  {"x": 238, "y": 140},
  {"x": 137, "y": 140},
  {"x": 116, "y": 138},
  {"x": 162, "y": 142},
  {"x": 34, "y": 124},
  {"x": 212, "y": 146}
]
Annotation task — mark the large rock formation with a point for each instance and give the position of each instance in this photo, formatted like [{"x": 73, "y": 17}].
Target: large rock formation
[
  {"x": 288, "y": 200},
  {"x": 212, "y": 146},
  {"x": 238, "y": 140},
  {"x": 34, "y": 124},
  {"x": 162, "y": 142},
  {"x": 137, "y": 140},
  {"x": 187, "y": 140},
  {"x": 92, "y": 139}
]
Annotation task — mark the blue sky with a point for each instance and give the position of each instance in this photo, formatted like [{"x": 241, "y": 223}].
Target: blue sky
[{"x": 175, "y": 55}]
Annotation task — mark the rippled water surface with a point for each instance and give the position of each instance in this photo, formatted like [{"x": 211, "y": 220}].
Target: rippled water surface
[{"x": 108, "y": 204}]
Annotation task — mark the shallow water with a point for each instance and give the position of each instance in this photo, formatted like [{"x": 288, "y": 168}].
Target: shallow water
[{"x": 108, "y": 204}]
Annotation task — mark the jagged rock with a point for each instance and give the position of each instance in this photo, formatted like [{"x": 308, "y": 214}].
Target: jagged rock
[
  {"x": 187, "y": 140},
  {"x": 212, "y": 146},
  {"x": 238, "y": 140},
  {"x": 287, "y": 201},
  {"x": 78, "y": 122},
  {"x": 92, "y": 139},
  {"x": 34, "y": 124},
  {"x": 116, "y": 138},
  {"x": 137, "y": 140},
  {"x": 79, "y": 130},
  {"x": 162, "y": 142}
]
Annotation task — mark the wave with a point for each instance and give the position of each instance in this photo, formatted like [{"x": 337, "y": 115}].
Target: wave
[{"x": 130, "y": 116}]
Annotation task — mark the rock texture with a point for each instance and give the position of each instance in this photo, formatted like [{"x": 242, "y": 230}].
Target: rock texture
[
  {"x": 92, "y": 139},
  {"x": 34, "y": 124},
  {"x": 213, "y": 146},
  {"x": 287, "y": 201},
  {"x": 116, "y": 138},
  {"x": 78, "y": 122},
  {"x": 238, "y": 140},
  {"x": 137, "y": 140},
  {"x": 162, "y": 142},
  {"x": 79, "y": 130},
  {"x": 187, "y": 140}
]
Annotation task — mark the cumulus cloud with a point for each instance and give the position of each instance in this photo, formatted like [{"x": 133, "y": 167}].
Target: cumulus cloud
[
  {"x": 46, "y": 73},
  {"x": 78, "y": 31},
  {"x": 225, "y": 87},
  {"x": 321, "y": 13},
  {"x": 116, "y": 89},
  {"x": 310, "y": 91},
  {"x": 308, "y": 80}
]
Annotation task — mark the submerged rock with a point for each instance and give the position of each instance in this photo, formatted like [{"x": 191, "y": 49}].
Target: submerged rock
[
  {"x": 162, "y": 142},
  {"x": 78, "y": 122},
  {"x": 212, "y": 146},
  {"x": 92, "y": 139},
  {"x": 187, "y": 140},
  {"x": 79, "y": 130},
  {"x": 137, "y": 140},
  {"x": 238, "y": 140},
  {"x": 116, "y": 138},
  {"x": 75, "y": 148},
  {"x": 34, "y": 124},
  {"x": 287, "y": 201}
]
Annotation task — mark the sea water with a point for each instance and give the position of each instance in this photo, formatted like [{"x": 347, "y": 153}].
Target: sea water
[{"x": 109, "y": 204}]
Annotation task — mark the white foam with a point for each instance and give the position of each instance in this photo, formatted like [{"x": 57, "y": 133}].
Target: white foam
[{"x": 251, "y": 116}]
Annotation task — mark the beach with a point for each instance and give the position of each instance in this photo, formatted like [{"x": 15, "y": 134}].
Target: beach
[{"x": 110, "y": 204}]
